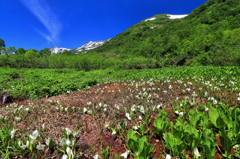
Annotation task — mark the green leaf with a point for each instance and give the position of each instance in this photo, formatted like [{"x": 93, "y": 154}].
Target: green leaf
[
  {"x": 132, "y": 141},
  {"x": 141, "y": 144},
  {"x": 132, "y": 135},
  {"x": 208, "y": 134},
  {"x": 132, "y": 144},
  {"x": 228, "y": 123},
  {"x": 191, "y": 136},
  {"x": 50, "y": 144},
  {"x": 204, "y": 123},
  {"x": 147, "y": 150},
  {"x": 178, "y": 128},
  {"x": 213, "y": 116},
  {"x": 194, "y": 117},
  {"x": 162, "y": 123},
  {"x": 208, "y": 148},
  {"x": 235, "y": 115},
  {"x": 226, "y": 142},
  {"x": 175, "y": 144}
]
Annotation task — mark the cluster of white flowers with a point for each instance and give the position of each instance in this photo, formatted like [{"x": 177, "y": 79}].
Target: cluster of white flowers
[
  {"x": 213, "y": 100},
  {"x": 12, "y": 105}
]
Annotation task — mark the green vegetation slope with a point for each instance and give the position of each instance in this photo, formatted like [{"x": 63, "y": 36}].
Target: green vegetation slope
[{"x": 209, "y": 35}]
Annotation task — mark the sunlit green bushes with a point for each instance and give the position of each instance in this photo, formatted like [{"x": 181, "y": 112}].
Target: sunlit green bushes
[{"x": 37, "y": 83}]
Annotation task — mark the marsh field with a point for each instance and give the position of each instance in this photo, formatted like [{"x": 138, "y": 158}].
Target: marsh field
[{"x": 179, "y": 112}]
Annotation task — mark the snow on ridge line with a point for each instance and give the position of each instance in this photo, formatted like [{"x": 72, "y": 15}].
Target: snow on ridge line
[
  {"x": 172, "y": 16},
  {"x": 58, "y": 49},
  {"x": 153, "y": 18},
  {"x": 91, "y": 45}
]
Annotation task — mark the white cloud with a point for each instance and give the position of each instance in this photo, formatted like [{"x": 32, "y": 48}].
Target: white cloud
[{"x": 44, "y": 14}]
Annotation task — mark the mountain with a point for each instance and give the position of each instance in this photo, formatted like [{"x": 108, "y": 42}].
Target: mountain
[
  {"x": 209, "y": 35},
  {"x": 58, "y": 49},
  {"x": 84, "y": 48},
  {"x": 89, "y": 46}
]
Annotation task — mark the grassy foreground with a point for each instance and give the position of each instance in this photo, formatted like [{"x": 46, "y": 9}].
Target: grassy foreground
[{"x": 179, "y": 112}]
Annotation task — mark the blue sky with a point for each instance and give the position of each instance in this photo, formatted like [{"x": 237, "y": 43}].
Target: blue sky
[{"x": 39, "y": 24}]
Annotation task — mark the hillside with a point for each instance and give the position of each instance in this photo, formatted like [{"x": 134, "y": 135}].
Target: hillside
[{"x": 209, "y": 35}]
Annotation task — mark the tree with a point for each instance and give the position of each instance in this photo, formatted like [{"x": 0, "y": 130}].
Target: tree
[
  {"x": 12, "y": 50},
  {"x": 2, "y": 50},
  {"x": 67, "y": 52},
  {"x": 2, "y": 43},
  {"x": 45, "y": 52},
  {"x": 34, "y": 50},
  {"x": 20, "y": 51},
  {"x": 7, "y": 50},
  {"x": 31, "y": 54},
  {"x": 32, "y": 58}
]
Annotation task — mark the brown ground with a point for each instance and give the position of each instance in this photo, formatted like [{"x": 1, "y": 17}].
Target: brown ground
[{"x": 116, "y": 99}]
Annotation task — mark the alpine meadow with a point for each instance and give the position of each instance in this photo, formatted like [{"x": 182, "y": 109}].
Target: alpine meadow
[{"x": 164, "y": 88}]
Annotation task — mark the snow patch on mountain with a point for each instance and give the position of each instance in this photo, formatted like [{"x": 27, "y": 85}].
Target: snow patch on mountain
[
  {"x": 91, "y": 45},
  {"x": 153, "y": 18},
  {"x": 172, "y": 16},
  {"x": 58, "y": 49}
]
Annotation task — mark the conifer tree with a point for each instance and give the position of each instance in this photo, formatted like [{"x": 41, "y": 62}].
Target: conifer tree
[{"x": 2, "y": 43}]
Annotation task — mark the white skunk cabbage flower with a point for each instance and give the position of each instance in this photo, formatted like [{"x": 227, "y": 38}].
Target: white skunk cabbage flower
[
  {"x": 168, "y": 156},
  {"x": 34, "y": 135},
  {"x": 128, "y": 116},
  {"x": 68, "y": 131},
  {"x": 96, "y": 156},
  {"x": 196, "y": 152},
  {"x": 125, "y": 154},
  {"x": 23, "y": 147},
  {"x": 179, "y": 113},
  {"x": 40, "y": 147},
  {"x": 12, "y": 133}
]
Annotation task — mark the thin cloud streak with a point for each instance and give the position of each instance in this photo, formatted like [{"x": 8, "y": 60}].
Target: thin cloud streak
[{"x": 44, "y": 14}]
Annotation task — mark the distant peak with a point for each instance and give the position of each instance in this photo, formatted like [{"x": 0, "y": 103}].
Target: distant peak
[
  {"x": 91, "y": 45},
  {"x": 57, "y": 49}
]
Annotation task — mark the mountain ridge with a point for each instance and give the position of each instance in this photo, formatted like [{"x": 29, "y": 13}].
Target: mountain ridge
[
  {"x": 209, "y": 35},
  {"x": 83, "y": 49},
  {"x": 94, "y": 44},
  {"x": 55, "y": 49},
  {"x": 90, "y": 45}
]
